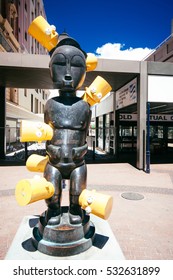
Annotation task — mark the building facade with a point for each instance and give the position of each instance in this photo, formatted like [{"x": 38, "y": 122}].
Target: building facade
[
  {"x": 136, "y": 119},
  {"x": 15, "y": 18}
]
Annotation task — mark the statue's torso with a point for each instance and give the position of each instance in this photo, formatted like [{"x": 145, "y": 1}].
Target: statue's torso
[{"x": 70, "y": 122}]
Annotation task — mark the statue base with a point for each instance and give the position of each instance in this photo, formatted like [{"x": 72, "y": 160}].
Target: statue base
[
  {"x": 64, "y": 239},
  {"x": 105, "y": 245}
]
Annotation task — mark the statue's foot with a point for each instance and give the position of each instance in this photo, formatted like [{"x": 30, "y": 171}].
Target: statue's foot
[
  {"x": 75, "y": 219},
  {"x": 54, "y": 220},
  {"x": 53, "y": 216}
]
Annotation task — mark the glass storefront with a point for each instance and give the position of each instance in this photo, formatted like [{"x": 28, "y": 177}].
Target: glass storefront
[
  {"x": 100, "y": 132},
  {"x": 170, "y": 137},
  {"x": 105, "y": 133},
  {"x": 157, "y": 141},
  {"x": 161, "y": 135},
  {"x": 127, "y": 137}
]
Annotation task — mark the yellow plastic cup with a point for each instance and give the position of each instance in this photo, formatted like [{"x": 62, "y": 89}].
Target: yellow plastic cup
[
  {"x": 43, "y": 32},
  {"x": 96, "y": 91},
  {"x": 91, "y": 62},
  {"x": 36, "y": 163},
  {"x": 96, "y": 203},
  {"x": 30, "y": 190},
  {"x": 35, "y": 131}
]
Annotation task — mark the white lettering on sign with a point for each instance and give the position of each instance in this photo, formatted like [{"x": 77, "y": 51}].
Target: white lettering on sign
[{"x": 153, "y": 117}]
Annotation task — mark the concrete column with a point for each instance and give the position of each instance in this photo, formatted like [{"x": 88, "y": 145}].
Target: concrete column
[
  {"x": 2, "y": 123},
  {"x": 142, "y": 95}
]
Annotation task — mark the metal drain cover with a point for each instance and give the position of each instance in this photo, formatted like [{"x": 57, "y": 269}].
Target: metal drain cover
[{"x": 132, "y": 196}]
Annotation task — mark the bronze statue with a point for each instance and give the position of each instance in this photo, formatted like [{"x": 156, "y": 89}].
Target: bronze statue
[
  {"x": 63, "y": 231},
  {"x": 69, "y": 116}
]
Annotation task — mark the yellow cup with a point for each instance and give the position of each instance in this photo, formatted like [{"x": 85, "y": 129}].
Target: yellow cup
[
  {"x": 36, "y": 163},
  {"x": 96, "y": 203},
  {"x": 43, "y": 32},
  {"x": 35, "y": 131},
  {"x": 31, "y": 190},
  {"x": 91, "y": 62},
  {"x": 96, "y": 91}
]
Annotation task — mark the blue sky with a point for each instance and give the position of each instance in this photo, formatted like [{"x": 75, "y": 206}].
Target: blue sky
[{"x": 111, "y": 28}]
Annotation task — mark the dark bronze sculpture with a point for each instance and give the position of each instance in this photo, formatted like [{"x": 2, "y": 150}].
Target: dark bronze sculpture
[
  {"x": 69, "y": 116},
  {"x": 63, "y": 231}
]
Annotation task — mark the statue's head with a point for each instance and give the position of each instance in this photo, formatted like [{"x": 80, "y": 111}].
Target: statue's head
[
  {"x": 69, "y": 62},
  {"x": 67, "y": 65}
]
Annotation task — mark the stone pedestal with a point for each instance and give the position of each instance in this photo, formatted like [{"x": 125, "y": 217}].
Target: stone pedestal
[
  {"x": 104, "y": 244},
  {"x": 63, "y": 239}
]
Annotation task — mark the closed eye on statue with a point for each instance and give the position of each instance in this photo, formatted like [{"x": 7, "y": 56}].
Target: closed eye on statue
[
  {"x": 59, "y": 59},
  {"x": 77, "y": 61},
  {"x": 61, "y": 63}
]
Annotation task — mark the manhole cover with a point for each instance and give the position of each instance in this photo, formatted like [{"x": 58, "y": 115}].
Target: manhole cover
[{"x": 132, "y": 196}]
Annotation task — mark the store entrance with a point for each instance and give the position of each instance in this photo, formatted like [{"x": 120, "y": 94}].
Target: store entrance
[
  {"x": 127, "y": 137},
  {"x": 161, "y": 138},
  {"x": 161, "y": 141}
]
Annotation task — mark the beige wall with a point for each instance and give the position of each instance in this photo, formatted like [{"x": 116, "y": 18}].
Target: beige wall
[
  {"x": 164, "y": 53},
  {"x": 33, "y": 101}
]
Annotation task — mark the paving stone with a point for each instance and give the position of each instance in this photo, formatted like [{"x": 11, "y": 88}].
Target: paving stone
[{"x": 143, "y": 228}]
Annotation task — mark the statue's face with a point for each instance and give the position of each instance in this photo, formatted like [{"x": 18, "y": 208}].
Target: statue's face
[{"x": 67, "y": 68}]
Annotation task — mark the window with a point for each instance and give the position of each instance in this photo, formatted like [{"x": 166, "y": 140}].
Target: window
[
  {"x": 32, "y": 15},
  {"x": 25, "y": 7},
  {"x": 25, "y": 92},
  {"x": 100, "y": 132},
  {"x": 31, "y": 102},
  {"x": 25, "y": 35},
  {"x": 43, "y": 94},
  {"x": 36, "y": 105}
]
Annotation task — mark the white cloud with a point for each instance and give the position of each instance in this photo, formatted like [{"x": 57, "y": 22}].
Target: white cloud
[{"x": 117, "y": 51}]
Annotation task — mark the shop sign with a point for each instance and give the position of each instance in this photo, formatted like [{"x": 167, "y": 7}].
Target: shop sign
[
  {"x": 153, "y": 117},
  {"x": 127, "y": 95},
  {"x": 161, "y": 118},
  {"x": 128, "y": 117}
]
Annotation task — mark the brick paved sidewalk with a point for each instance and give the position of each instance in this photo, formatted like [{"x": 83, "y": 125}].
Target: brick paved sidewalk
[{"x": 143, "y": 228}]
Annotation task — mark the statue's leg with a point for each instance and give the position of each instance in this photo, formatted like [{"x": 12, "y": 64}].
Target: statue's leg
[
  {"x": 53, "y": 212},
  {"x": 77, "y": 185}
]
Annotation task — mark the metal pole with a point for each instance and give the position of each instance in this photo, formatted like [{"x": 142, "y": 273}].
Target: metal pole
[
  {"x": 94, "y": 145},
  {"x": 148, "y": 140},
  {"x": 26, "y": 151},
  {"x": 2, "y": 124}
]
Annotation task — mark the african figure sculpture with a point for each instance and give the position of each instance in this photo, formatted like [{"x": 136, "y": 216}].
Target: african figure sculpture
[
  {"x": 63, "y": 231},
  {"x": 69, "y": 116}
]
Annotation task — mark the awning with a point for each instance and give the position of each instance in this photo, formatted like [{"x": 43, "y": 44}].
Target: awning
[{"x": 19, "y": 113}]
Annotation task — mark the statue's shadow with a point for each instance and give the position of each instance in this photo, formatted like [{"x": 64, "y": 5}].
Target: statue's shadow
[
  {"x": 28, "y": 244},
  {"x": 98, "y": 242}
]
